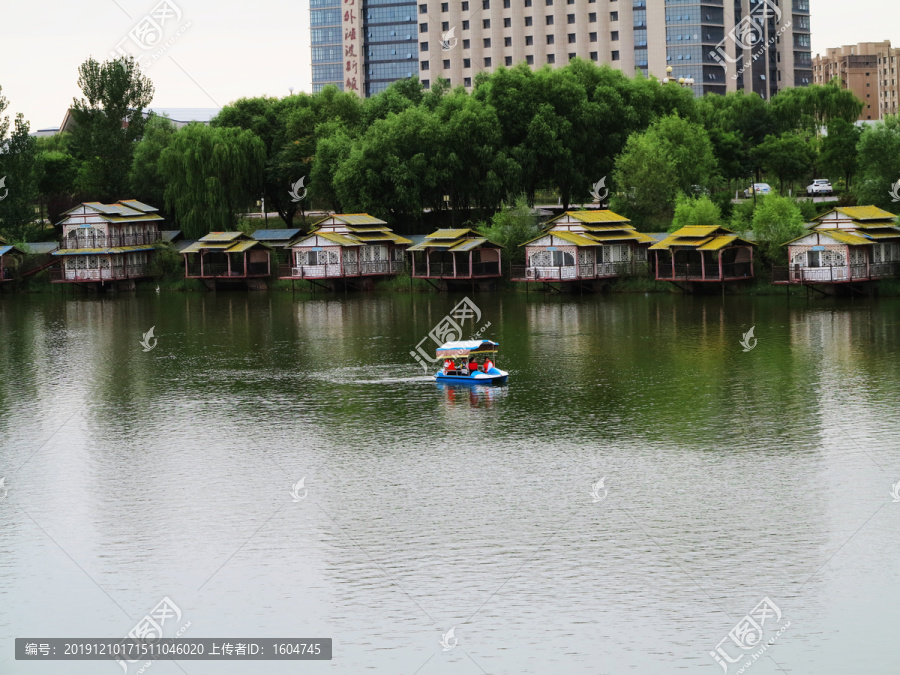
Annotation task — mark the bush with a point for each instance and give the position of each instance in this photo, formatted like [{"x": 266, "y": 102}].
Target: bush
[
  {"x": 510, "y": 227},
  {"x": 776, "y": 221},
  {"x": 166, "y": 261}
]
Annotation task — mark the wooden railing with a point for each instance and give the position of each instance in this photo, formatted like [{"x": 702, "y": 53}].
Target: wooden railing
[
  {"x": 348, "y": 269},
  {"x": 799, "y": 274},
  {"x": 445, "y": 270},
  {"x": 571, "y": 272},
  {"x": 109, "y": 240},
  {"x": 109, "y": 274},
  {"x": 698, "y": 272}
]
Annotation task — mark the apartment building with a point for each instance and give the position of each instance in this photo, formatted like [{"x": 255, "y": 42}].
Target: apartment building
[
  {"x": 717, "y": 45},
  {"x": 869, "y": 70}
]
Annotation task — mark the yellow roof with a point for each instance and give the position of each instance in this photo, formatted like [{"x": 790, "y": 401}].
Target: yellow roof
[
  {"x": 595, "y": 216},
  {"x": 698, "y": 230},
  {"x": 621, "y": 235},
  {"x": 222, "y": 236},
  {"x": 339, "y": 239},
  {"x": 846, "y": 237},
  {"x": 721, "y": 241},
  {"x": 862, "y": 213},
  {"x": 369, "y": 228},
  {"x": 882, "y": 234},
  {"x": 131, "y": 219},
  {"x": 572, "y": 238},
  {"x": 448, "y": 234},
  {"x": 353, "y": 219}
]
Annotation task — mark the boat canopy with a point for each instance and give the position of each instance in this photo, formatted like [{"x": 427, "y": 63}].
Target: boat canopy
[{"x": 461, "y": 348}]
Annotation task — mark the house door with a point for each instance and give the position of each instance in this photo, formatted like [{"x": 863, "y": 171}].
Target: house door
[{"x": 813, "y": 258}]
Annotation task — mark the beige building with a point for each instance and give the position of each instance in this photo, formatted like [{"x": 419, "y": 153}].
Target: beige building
[
  {"x": 722, "y": 45},
  {"x": 869, "y": 70},
  {"x": 760, "y": 46}
]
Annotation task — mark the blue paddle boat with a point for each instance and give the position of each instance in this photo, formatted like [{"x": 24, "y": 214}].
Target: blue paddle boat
[{"x": 469, "y": 362}]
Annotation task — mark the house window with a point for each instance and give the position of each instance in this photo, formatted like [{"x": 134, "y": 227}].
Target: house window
[
  {"x": 571, "y": 38},
  {"x": 527, "y": 20},
  {"x": 487, "y": 42},
  {"x": 550, "y": 39},
  {"x": 507, "y": 42},
  {"x": 424, "y": 65},
  {"x": 507, "y": 22},
  {"x": 529, "y": 59},
  {"x": 615, "y": 56},
  {"x": 507, "y": 60},
  {"x": 570, "y": 18},
  {"x": 529, "y": 40},
  {"x": 487, "y": 61},
  {"x": 551, "y": 58},
  {"x": 445, "y": 6},
  {"x": 549, "y": 20}
]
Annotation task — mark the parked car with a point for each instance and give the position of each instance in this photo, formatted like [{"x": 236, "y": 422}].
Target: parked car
[
  {"x": 759, "y": 188},
  {"x": 820, "y": 186}
]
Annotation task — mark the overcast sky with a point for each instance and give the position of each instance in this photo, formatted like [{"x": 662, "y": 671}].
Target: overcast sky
[{"x": 229, "y": 50}]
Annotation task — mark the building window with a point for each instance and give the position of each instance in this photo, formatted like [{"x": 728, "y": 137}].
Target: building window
[
  {"x": 486, "y": 23},
  {"x": 549, "y": 2},
  {"x": 507, "y": 22},
  {"x": 467, "y": 81},
  {"x": 467, "y": 63},
  {"x": 549, "y": 20},
  {"x": 423, "y": 65},
  {"x": 485, "y": 4},
  {"x": 527, "y": 20},
  {"x": 423, "y": 27},
  {"x": 592, "y": 17},
  {"x": 425, "y": 84},
  {"x": 615, "y": 56},
  {"x": 506, "y": 4},
  {"x": 423, "y": 46},
  {"x": 613, "y": 16},
  {"x": 446, "y": 64},
  {"x": 570, "y": 18},
  {"x": 487, "y": 42},
  {"x": 571, "y": 55},
  {"x": 550, "y": 39},
  {"x": 465, "y": 25},
  {"x": 445, "y": 26},
  {"x": 571, "y": 38},
  {"x": 507, "y": 42},
  {"x": 445, "y": 6},
  {"x": 594, "y": 56},
  {"x": 614, "y": 36},
  {"x": 465, "y": 6},
  {"x": 529, "y": 60},
  {"x": 592, "y": 37},
  {"x": 528, "y": 3},
  {"x": 487, "y": 61},
  {"x": 508, "y": 60},
  {"x": 529, "y": 40},
  {"x": 551, "y": 58},
  {"x": 423, "y": 9},
  {"x": 466, "y": 43}
]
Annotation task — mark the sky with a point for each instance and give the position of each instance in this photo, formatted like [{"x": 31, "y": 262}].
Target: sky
[{"x": 220, "y": 51}]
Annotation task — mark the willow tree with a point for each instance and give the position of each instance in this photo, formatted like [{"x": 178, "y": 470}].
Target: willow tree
[{"x": 210, "y": 173}]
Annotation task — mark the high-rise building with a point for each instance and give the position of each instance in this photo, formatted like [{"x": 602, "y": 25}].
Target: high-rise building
[
  {"x": 713, "y": 45},
  {"x": 869, "y": 70}
]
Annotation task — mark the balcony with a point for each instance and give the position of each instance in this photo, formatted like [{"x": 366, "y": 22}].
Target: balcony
[
  {"x": 109, "y": 241},
  {"x": 797, "y": 274},
  {"x": 696, "y": 272},
  {"x": 338, "y": 271},
  {"x": 446, "y": 270},
  {"x": 62, "y": 274},
  {"x": 576, "y": 272}
]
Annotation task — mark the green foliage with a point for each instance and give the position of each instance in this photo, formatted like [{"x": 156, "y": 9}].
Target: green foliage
[
  {"x": 211, "y": 172},
  {"x": 879, "y": 163},
  {"x": 146, "y": 181},
  {"x": 19, "y": 171},
  {"x": 789, "y": 157},
  {"x": 839, "y": 155},
  {"x": 647, "y": 176},
  {"x": 510, "y": 227},
  {"x": 109, "y": 120},
  {"x": 813, "y": 107},
  {"x": 695, "y": 211},
  {"x": 166, "y": 261},
  {"x": 776, "y": 221},
  {"x": 742, "y": 216}
]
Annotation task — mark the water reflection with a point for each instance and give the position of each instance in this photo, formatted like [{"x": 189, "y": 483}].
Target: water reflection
[{"x": 472, "y": 395}]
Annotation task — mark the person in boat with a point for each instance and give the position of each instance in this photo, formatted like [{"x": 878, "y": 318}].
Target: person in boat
[
  {"x": 488, "y": 364},
  {"x": 473, "y": 366},
  {"x": 448, "y": 365}
]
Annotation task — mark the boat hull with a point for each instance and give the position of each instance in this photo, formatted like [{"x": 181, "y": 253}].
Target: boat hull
[{"x": 495, "y": 376}]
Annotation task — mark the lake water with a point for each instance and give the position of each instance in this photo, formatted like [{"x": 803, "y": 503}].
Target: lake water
[{"x": 730, "y": 476}]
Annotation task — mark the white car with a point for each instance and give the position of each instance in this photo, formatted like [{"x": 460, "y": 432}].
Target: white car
[
  {"x": 820, "y": 186},
  {"x": 758, "y": 188}
]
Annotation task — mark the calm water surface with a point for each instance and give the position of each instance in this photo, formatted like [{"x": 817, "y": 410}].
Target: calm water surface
[{"x": 730, "y": 476}]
